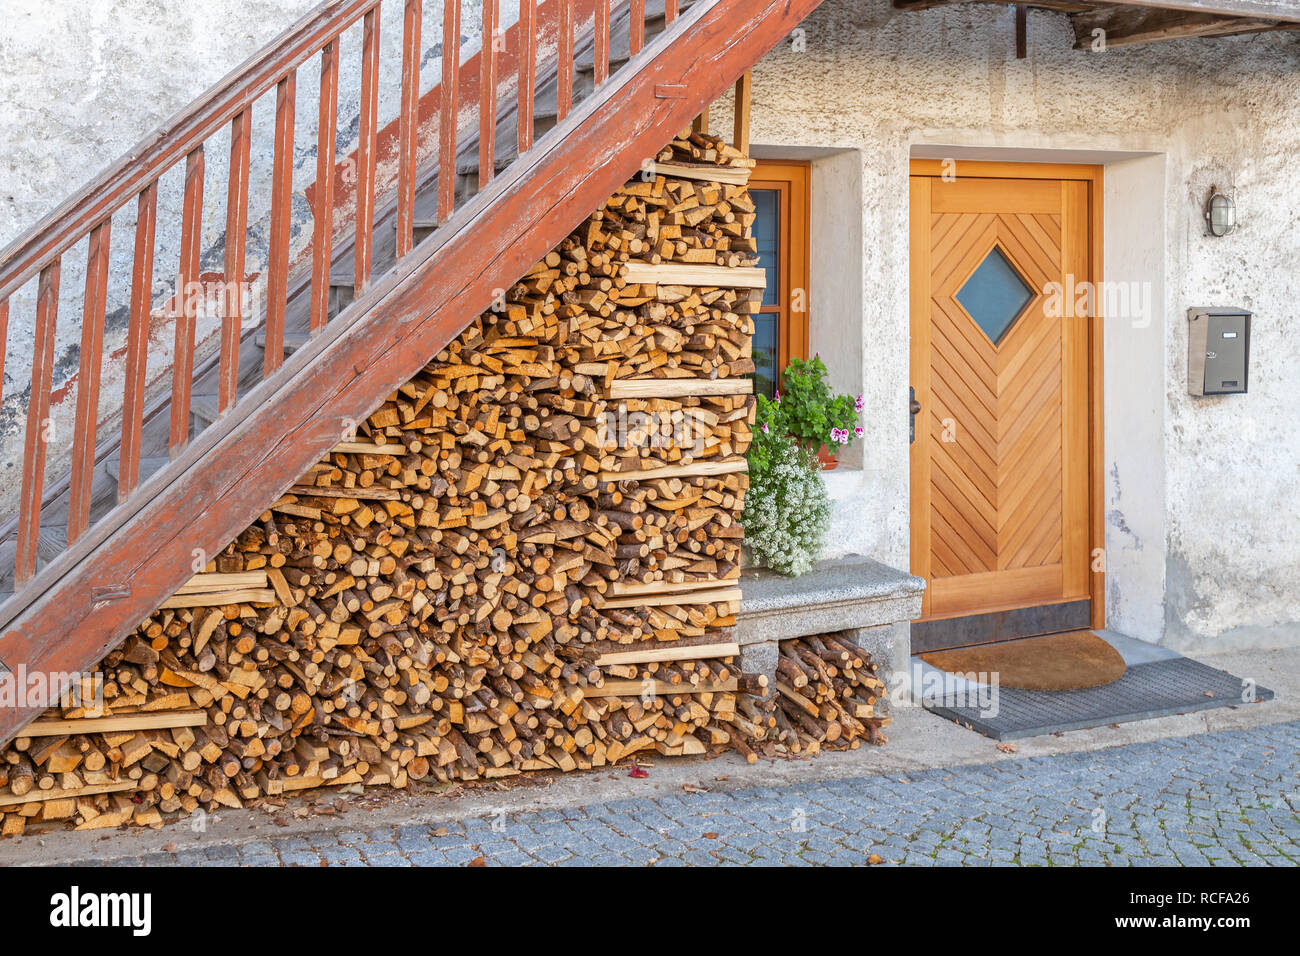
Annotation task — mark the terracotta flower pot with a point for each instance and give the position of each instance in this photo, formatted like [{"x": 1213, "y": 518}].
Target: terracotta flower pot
[{"x": 829, "y": 459}]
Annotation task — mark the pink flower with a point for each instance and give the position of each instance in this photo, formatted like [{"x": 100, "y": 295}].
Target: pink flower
[
  {"x": 835, "y": 435},
  {"x": 858, "y": 431},
  {"x": 858, "y": 404},
  {"x": 778, "y": 397},
  {"x": 765, "y": 429}
]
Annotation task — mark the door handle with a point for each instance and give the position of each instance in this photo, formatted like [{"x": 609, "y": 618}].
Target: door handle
[{"x": 913, "y": 409}]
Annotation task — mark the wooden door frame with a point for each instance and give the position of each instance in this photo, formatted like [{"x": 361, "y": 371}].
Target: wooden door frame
[
  {"x": 789, "y": 178},
  {"x": 1094, "y": 176}
]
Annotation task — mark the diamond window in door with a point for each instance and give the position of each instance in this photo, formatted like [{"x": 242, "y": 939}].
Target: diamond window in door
[{"x": 994, "y": 295}]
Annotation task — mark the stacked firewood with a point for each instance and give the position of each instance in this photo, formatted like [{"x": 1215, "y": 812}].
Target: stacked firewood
[
  {"x": 826, "y": 696},
  {"x": 525, "y": 559}
]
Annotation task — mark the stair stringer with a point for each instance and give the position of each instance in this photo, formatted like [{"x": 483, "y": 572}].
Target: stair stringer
[{"x": 87, "y": 600}]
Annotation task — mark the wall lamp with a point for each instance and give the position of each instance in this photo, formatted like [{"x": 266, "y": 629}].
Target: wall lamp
[{"x": 1220, "y": 213}]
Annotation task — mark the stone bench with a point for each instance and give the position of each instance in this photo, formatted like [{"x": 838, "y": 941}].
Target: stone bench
[{"x": 871, "y": 604}]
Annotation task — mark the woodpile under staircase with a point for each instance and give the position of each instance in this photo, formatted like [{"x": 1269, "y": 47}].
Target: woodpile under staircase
[{"x": 278, "y": 388}]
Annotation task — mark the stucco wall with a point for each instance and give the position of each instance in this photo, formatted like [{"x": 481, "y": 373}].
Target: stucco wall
[
  {"x": 84, "y": 82},
  {"x": 1220, "y": 564}
]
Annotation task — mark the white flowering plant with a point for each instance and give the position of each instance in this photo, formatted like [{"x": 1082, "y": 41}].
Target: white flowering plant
[{"x": 787, "y": 510}]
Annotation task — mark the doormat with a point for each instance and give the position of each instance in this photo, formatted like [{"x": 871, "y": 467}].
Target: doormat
[
  {"x": 1069, "y": 661},
  {"x": 1162, "y": 688}
]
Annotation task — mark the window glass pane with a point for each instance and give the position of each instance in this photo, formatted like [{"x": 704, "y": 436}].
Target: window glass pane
[
  {"x": 994, "y": 295},
  {"x": 765, "y": 353},
  {"x": 767, "y": 232}
]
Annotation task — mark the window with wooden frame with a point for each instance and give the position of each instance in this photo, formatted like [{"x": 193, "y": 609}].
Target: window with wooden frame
[{"x": 780, "y": 194}]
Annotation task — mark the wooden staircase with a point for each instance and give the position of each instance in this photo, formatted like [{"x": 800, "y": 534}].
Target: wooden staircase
[{"x": 391, "y": 276}]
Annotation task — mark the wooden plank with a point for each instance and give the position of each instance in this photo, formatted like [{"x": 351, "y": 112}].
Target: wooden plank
[
  {"x": 186, "y": 302},
  {"x": 729, "y": 175},
  {"x": 718, "y": 277},
  {"x": 564, "y": 65},
  {"x": 232, "y": 313},
  {"x": 372, "y": 493},
  {"x": 447, "y": 104},
  {"x": 166, "y": 146},
  {"x": 232, "y": 471},
  {"x": 88, "y": 374},
  {"x": 678, "y": 387},
  {"x": 635, "y": 688},
  {"x": 217, "y": 598},
  {"x": 408, "y": 121},
  {"x": 487, "y": 93},
  {"x": 215, "y": 581},
  {"x": 38, "y": 424},
  {"x": 322, "y": 237},
  {"x": 527, "y": 71},
  {"x": 277, "y": 269},
  {"x": 670, "y": 10},
  {"x": 627, "y": 588},
  {"x": 721, "y": 596},
  {"x": 367, "y": 448},
  {"x": 692, "y": 652},
  {"x": 124, "y": 723},
  {"x": 40, "y": 796},
  {"x": 699, "y": 469},
  {"x": 137, "y": 343},
  {"x": 367, "y": 145}
]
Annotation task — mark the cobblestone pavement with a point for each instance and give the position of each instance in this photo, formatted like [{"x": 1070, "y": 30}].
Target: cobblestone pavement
[{"x": 1224, "y": 798}]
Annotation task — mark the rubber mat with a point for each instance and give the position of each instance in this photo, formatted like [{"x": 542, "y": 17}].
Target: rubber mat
[
  {"x": 1155, "y": 689},
  {"x": 1069, "y": 661}
]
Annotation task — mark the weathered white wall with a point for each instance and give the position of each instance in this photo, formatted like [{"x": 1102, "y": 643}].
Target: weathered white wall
[
  {"x": 890, "y": 84},
  {"x": 83, "y": 82}
]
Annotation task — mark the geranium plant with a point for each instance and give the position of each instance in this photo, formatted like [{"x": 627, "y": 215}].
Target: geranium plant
[{"x": 806, "y": 408}]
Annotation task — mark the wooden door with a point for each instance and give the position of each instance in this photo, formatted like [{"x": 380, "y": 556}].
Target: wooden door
[{"x": 1000, "y": 462}]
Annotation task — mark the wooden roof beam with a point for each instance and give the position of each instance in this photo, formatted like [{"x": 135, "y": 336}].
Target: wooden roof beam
[
  {"x": 1271, "y": 11},
  {"x": 1125, "y": 26}
]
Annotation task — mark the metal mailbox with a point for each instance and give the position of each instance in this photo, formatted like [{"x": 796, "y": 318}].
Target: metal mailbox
[{"x": 1218, "y": 351}]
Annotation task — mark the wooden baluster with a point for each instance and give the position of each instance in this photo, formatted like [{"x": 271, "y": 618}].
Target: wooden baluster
[
  {"x": 487, "y": 103},
  {"x": 408, "y": 131},
  {"x": 92, "y": 350},
  {"x": 565, "y": 56},
  {"x": 602, "y": 41},
  {"x": 670, "y": 11},
  {"x": 322, "y": 237},
  {"x": 232, "y": 297},
  {"x": 277, "y": 267},
  {"x": 744, "y": 98},
  {"x": 527, "y": 71},
  {"x": 38, "y": 410},
  {"x": 448, "y": 105},
  {"x": 137, "y": 343},
  {"x": 636, "y": 30},
  {"x": 366, "y": 151},
  {"x": 186, "y": 302}
]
